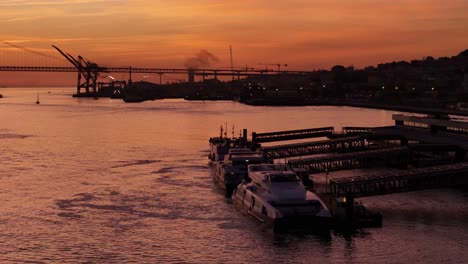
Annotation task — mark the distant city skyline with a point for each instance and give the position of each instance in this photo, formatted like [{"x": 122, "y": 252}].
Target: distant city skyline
[{"x": 304, "y": 34}]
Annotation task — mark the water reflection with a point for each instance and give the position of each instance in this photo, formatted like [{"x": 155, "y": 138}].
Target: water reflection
[{"x": 102, "y": 181}]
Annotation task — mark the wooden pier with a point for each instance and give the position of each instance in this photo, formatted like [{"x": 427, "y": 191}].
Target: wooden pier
[
  {"x": 401, "y": 181},
  {"x": 317, "y": 147},
  {"x": 357, "y": 130},
  {"x": 338, "y": 145},
  {"x": 397, "y": 156},
  {"x": 292, "y": 134}
]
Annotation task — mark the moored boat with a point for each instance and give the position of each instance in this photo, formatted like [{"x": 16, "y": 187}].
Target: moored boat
[
  {"x": 277, "y": 196},
  {"x": 219, "y": 146},
  {"x": 233, "y": 169}
]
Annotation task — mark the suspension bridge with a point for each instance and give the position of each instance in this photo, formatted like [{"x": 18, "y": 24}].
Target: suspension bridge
[{"x": 16, "y": 58}]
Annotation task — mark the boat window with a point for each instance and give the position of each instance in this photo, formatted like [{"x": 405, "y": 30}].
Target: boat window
[
  {"x": 283, "y": 177},
  {"x": 245, "y": 162}
]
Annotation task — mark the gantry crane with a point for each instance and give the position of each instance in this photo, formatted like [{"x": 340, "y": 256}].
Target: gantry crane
[{"x": 86, "y": 69}]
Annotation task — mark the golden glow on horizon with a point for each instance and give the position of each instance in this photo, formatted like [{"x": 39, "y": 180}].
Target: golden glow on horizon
[{"x": 302, "y": 33}]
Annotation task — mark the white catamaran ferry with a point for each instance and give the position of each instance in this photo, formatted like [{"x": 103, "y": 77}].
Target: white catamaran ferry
[{"x": 276, "y": 195}]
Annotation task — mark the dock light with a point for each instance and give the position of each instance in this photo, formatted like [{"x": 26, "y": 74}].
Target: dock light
[
  {"x": 383, "y": 87},
  {"x": 432, "y": 88},
  {"x": 396, "y": 87},
  {"x": 413, "y": 89},
  {"x": 300, "y": 88},
  {"x": 276, "y": 89},
  {"x": 323, "y": 86}
]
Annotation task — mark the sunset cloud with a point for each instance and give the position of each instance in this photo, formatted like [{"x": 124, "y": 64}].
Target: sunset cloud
[{"x": 302, "y": 33}]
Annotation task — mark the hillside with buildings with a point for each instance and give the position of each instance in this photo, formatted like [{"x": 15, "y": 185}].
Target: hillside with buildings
[{"x": 430, "y": 82}]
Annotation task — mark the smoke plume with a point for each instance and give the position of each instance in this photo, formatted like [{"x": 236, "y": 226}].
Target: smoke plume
[{"x": 202, "y": 59}]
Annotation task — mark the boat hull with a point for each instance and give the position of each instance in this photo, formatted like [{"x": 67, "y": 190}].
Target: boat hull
[
  {"x": 226, "y": 182},
  {"x": 290, "y": 222}
]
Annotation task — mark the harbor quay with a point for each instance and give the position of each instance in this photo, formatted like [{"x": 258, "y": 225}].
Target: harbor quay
[{"x": 416, "y": 153}]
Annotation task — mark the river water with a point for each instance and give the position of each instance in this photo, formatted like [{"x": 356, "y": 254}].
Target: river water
[{"x": 102, "y": 181}]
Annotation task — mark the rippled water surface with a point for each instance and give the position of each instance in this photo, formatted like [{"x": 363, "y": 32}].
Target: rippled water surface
[{"x": 85, "y": 180}]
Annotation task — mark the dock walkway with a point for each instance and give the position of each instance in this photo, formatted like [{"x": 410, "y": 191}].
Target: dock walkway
[
  {"x": 361, "y": 159},
  {"x": 401, "y": 181},
  {"x": 292, "y": 134},
  {"x": 315, "y": 147}
]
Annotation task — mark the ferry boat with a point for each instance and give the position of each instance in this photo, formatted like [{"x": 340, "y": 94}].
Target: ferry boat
[
  {"x": 278, "y": 197},
  {"x": 233, "y": 169},
  {"x": 220, "y": 146}
]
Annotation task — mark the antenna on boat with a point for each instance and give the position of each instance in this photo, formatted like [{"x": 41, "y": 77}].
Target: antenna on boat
[
  {"x": 225, "y": 132},
  {"x": 37, "y": 100},
  {"x": 221, "y": 130},
  {"x": 233, "y": 131}
]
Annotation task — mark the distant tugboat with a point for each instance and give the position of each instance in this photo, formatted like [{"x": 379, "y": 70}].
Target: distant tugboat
[{"x": 37, "y": 101}]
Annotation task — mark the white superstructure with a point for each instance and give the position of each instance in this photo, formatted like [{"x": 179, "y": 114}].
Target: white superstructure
[{"x": 275, "y": 194}]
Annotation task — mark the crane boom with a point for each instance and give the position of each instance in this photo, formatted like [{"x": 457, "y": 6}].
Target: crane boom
[
  {"x": 87, "y": 70},
  {"x": 68, "y": 57}
]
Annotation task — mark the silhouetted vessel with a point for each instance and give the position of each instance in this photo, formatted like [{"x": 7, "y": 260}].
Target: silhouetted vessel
[
  {"x": 219, "y": 146},
  {"x": 231, "y": 171},
  {"x": 277, "y": 196},
  {"x": 134, "y": 99}
]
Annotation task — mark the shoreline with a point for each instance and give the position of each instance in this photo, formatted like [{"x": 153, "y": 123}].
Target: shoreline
[{"x": 400, "y": 108}]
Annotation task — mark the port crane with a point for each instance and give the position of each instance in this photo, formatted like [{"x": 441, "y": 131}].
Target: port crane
[
  {"x": 86, "y": 69},
  {"x": 274, "y": 64}
]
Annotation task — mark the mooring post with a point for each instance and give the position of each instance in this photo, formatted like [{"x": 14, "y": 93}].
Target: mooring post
[{"x": 349, "y": 206}]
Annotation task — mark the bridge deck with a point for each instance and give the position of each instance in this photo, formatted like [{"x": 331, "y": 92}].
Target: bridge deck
[{"x": 225, "y": 72}]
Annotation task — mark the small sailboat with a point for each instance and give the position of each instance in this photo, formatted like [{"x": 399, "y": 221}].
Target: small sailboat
[{"x": 37, "y": 101}]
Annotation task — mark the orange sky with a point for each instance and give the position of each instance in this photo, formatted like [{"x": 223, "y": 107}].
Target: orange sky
[{"x": 305, "y": 34}]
